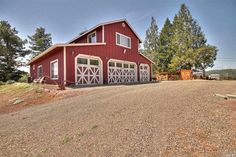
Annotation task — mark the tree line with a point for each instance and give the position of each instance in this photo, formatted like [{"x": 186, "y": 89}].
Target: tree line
[
  {"x": 12, "y": 48},
  {"x": 181, "y": 44}
]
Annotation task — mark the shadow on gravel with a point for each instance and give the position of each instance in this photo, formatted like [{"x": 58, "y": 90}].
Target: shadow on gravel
[{"x": 118, "y": 84}]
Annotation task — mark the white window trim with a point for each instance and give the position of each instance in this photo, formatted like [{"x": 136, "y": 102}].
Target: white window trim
[
  {"x": 39, "y": 66},
  {"x": 56, "y": 60},
  {"x": 94, "y": 32},
  {"x": 123, "y": 36}
]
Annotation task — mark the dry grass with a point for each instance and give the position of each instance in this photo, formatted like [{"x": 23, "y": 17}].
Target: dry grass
[{"x": 18, "y": 96}]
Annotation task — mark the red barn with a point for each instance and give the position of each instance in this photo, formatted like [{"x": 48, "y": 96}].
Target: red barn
[{"x": 105, "y": 54}]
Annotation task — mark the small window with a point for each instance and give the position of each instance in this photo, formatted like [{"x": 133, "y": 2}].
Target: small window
[
  {"x": 123, "y": 40},
  {"x": 94, "y": 62},
  {"x": 40, "y": 71},
  {"x": 145, "y": 67},
  {"x": 111, "y": 64},
  {"x": 119, "y": 65},
  {"x": 92, "y": 38},
  {"x": 126, "y": 66},
  {"x": 131, "y": 66},
  {"x": 82, "y": 61},
  {"x": 54, "y": 69}
]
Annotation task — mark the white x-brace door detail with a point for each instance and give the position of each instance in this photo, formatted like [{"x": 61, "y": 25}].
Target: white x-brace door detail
[
  {"x": 122, "y": 74},
  {"x": 144, "y": 73},
  {"x": 86, "y": 73}
]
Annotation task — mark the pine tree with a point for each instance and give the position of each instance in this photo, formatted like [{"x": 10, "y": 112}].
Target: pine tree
[
  {"x": 183, "y": 40},
  {"x": 189, "y": 43},
  {"x": 151, "y": 42},
  {"x": 40, "y": 41},
  {"x": 165, "y": 52},
  {"x": 11, "y": 48}
]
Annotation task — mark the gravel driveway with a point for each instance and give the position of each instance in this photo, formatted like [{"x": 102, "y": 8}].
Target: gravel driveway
[{"x": 179, "y": 118}]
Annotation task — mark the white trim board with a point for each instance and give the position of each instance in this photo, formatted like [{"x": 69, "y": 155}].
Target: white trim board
[
  {"x": 63, "y": 45},
  {"x": 64, "y": 62}
]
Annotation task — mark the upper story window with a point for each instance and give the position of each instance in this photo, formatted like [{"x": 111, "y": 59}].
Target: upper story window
[
  {"x": 54, "y": 69},
  {"x": 123, "y": 40},
  {"x": 40, "y": 71},
  {"x": 92, "y": 37}
]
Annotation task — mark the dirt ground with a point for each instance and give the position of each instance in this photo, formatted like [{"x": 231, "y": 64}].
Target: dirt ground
[
  {"x": 179, "y": 118},
  {"x": 29, "y": 95}
]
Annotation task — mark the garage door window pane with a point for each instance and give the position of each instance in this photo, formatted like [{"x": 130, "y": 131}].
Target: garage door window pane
[
  {"x": 82, "y": 61},
  {"x": 94, "y": 62},
  {"x": 119, "y": 65},
  {"x": 126, "y": 66},
  {"x": 132, "y": 66},
  {"x": 111, "y": 64}
]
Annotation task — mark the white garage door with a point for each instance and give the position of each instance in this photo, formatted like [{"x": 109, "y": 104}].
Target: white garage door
[
  {"x": 144, "y": 73},
  {"x": 121, "y": 71},
  {"x": 88, "y": 70}
]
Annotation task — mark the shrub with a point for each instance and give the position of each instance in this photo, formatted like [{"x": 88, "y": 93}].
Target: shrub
[{"x": 24, "y": 78}]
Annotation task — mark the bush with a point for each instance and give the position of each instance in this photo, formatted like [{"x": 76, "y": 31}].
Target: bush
[
  {"x": 2, "y": 83},
  {"x": 24, "y": 78}
]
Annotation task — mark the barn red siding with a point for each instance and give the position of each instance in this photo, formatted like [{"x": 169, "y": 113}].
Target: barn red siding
[
  {"x": 83, "y": 39},
  {"x": 45, "y": 62},
  {"x": 105, "y": 52}
]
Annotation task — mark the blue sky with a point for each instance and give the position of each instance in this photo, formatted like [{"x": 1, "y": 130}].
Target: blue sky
[{"x": 64, "y": 19}]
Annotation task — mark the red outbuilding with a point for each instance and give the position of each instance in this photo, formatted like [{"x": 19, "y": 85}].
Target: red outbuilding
[{"x": 105, "y": 54}]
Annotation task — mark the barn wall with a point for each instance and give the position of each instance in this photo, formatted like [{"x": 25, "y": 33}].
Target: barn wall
[
  {"x": 45, "y": 62},
  {"x": 105, "y": 52},
  {"x": 108, "y": 51},
  {"x": 83, "y": 39}
]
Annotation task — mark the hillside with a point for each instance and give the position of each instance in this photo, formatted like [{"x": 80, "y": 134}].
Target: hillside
[{"x": 224, "y": 73}]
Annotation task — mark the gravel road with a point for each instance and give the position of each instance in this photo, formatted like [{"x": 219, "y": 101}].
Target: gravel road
[{"x": 179, "y": 118}]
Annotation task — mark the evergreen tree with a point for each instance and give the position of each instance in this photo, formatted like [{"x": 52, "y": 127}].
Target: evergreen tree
[
  {"x": 151, "y": 42},
  {"x": 11, "y": 48},
  {"x": 165, "y": 53},
  {"x": 189, "y": 43},
  {"x": 40, "y": 41},
  {"x": 182, "y": 41}
]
